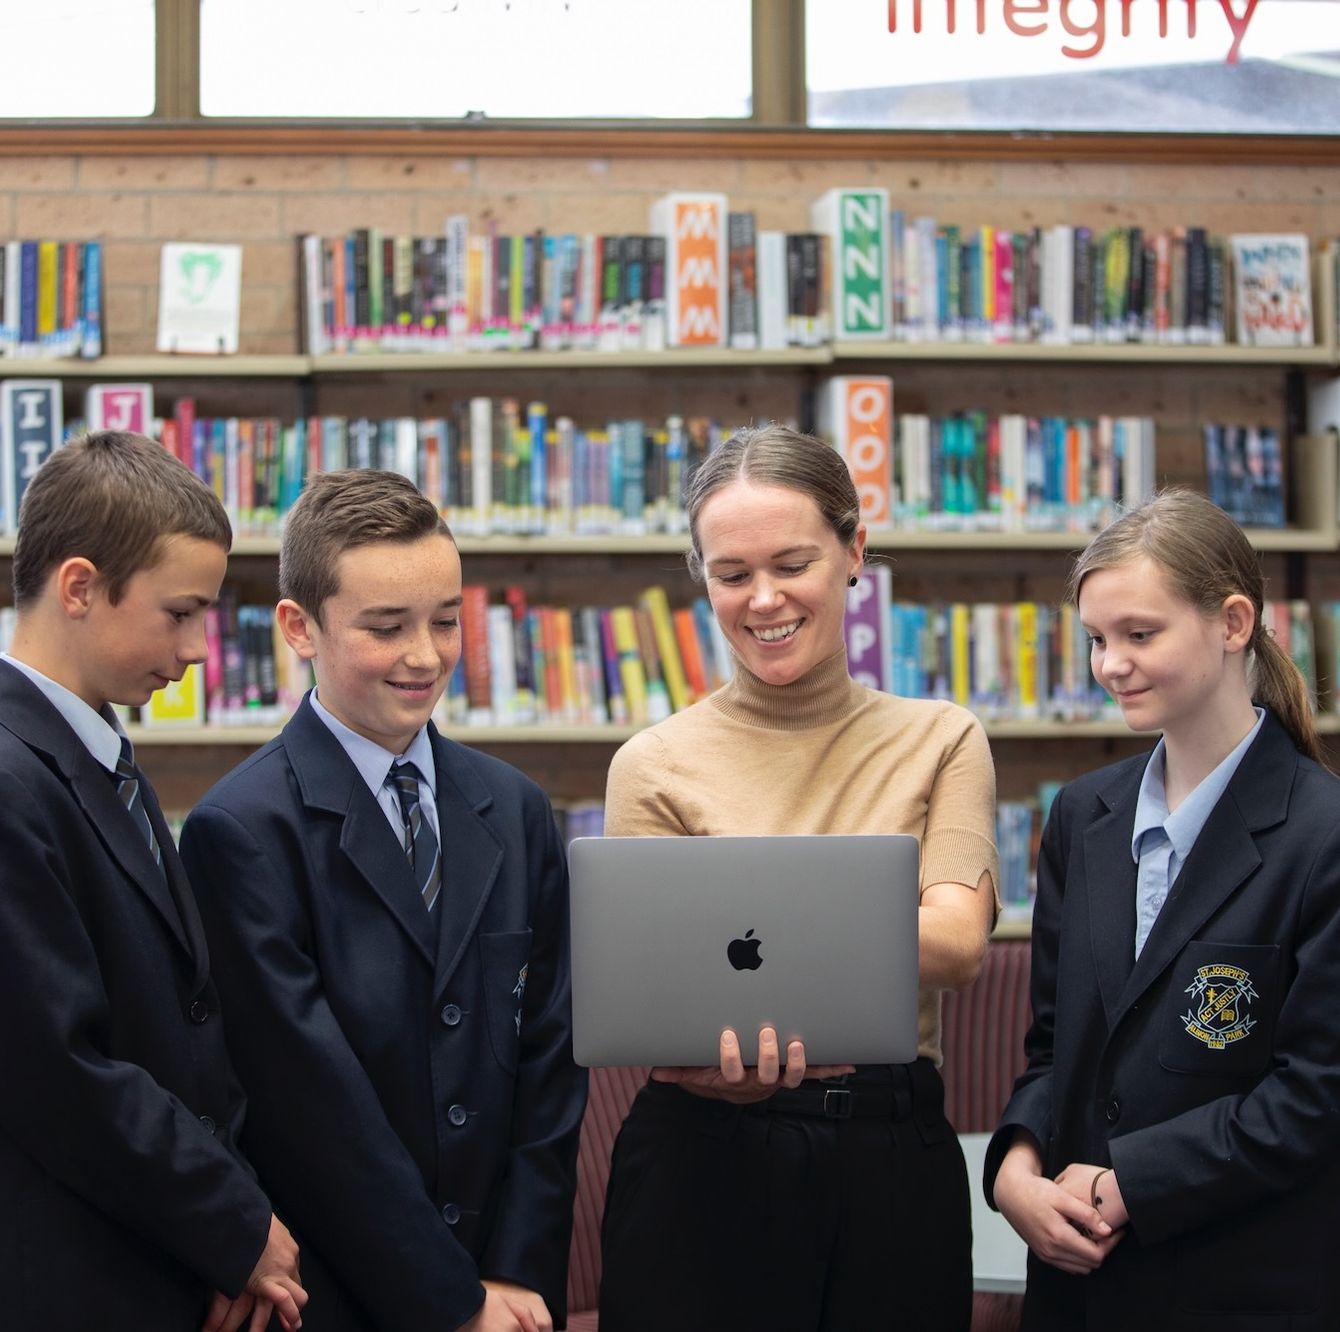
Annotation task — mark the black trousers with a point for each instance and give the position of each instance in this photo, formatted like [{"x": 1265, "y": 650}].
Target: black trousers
[{"x": 722, "y": 1218}]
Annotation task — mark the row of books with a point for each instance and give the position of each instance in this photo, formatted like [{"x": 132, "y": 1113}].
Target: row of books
[
  {"x": 496, "y": 466},
  {"x": 1078, "y": 284},
  {"x": 592, "y": 665},
  {"x": 51, "y": 295},
  {"x": 368, "y": 292},
  {"x": 971, "y": 471},
  {"x": 1244, "y": 473},
  {"x": 636, "y": 664},
  {"x": 1006, "y": 660},
  {"x": 703, "y": 275}
]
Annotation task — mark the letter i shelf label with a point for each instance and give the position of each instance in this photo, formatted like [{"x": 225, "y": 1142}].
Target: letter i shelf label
[{"x": 31, "y": 428}]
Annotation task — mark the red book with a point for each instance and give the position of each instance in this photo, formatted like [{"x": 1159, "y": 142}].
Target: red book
[
  {"x": 475, "y": 651},
  {"x": 690, "y": 653}
]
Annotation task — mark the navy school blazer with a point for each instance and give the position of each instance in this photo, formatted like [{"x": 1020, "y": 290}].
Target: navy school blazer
[
  {"x": 414, "y": 1106},
  {"x": 122, "y": 1194},
  {"x": 1207, "y": 1072}
]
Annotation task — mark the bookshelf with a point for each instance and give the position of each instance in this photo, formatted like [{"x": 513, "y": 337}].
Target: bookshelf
[{"x": 571, "y": 761}]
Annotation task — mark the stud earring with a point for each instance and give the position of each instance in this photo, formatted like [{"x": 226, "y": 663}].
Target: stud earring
[{"x": 852, "y": 581}]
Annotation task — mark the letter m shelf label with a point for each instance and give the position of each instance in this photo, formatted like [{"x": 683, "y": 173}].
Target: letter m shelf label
[
  {"x": 856, "y": 223},
  {"x": 694, "y": 227},
  {"x": 31, "y": 427}
]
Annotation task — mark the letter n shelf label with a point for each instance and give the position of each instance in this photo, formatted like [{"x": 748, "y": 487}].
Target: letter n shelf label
[{"x": 857, "y": 225}]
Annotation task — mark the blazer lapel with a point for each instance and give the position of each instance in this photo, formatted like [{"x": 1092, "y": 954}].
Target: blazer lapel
[
  {"x": 472, "y": 854},
  {"x": 1109, "y": 875},
  {"x": 1223, "y": 856},
  {"x": 31, "y": 716},
  {"x": 329, "y": 781}
]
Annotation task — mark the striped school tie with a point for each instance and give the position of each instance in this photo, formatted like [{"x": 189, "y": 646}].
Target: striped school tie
[
  {"x": 132, "y": 797},
  {"x": 421, "y": 846}
]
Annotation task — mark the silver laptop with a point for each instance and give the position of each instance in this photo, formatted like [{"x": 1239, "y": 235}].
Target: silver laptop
[{"x": 676, "y": 938}]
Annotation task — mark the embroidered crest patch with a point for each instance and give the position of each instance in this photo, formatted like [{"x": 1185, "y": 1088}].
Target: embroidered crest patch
[{"x": 1218, "y": 1014}]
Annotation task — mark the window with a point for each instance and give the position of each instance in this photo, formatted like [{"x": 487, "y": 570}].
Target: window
[
  {"x": 77, "y": 58},
  {"x": 1158, "y": 66},
  {"x": 449, "y": 59}
]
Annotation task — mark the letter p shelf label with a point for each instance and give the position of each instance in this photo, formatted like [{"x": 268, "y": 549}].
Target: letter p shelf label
[{"x": 694, "y": 227}]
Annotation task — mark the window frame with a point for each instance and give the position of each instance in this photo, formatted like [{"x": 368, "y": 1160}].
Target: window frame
[{"x": 775, "y": 130}]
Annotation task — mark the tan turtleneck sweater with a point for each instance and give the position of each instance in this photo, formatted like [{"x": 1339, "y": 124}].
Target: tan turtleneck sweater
[{"x": 821, "y": 755}]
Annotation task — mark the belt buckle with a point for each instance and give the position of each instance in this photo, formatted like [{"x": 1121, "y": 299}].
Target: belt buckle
[{"x": 838, "y": 1102}]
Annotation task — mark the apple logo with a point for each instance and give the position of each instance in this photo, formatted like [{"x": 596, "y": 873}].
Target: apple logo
[{"x": 743, "y": 953}]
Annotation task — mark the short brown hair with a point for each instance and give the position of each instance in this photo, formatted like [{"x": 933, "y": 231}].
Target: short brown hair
[
  {"x": 1206, "y": 558},
  {"x": 113, "y": 498},
  {"x": 776, "y": 455},
  {"x": 338, "y": 511}
]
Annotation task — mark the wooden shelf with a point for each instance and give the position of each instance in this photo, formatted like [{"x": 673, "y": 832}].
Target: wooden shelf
[
  {"x": 341, "y": 365},
  {"x": 251, "y": 736},
  {"x": 1099, "y": 353},
  {"x": 671, "y": 358},
  {"x": 159, "y": 367}
]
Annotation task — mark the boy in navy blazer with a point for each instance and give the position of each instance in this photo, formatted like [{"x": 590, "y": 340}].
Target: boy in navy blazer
[
  {"x": 388, "y": 911},
  {"x": 124, "y": 1203}
]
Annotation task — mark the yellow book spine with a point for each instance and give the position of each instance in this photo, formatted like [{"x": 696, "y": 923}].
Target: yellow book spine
[
  {"x": 1026, "y": 658},
  {"x": 672, "y": 668},
  {"x": 567, "y": 665},
  {"x": 47, "y": 263},
  {"x": 631, "y": 671},
  {"x": 960, "y": 653}
]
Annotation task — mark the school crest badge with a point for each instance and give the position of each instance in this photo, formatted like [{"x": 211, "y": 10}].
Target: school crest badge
[{"x": 1221, "y": 995}]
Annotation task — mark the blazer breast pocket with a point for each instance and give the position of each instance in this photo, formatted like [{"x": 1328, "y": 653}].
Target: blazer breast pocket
[
  {"x": 506, "y": 967},
  {"x": 1219, "y": 1014}
]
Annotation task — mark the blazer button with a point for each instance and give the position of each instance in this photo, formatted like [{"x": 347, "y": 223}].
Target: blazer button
[
  {"x": 451, "y": 1214},
  {"x": 198, "y": 1012},
  {"x": 1113, "y": 1111},
  {"x": 451, "y": 1016},
  {"x": 457, "y": 1115},
  {"x": 208, "y": 1123}
]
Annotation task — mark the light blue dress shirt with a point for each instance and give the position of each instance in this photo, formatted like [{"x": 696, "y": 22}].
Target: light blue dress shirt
[
  {"x": 374, "y": 765},
  {"x": 1160, "y": 841},
  {"x": 100, "y": 732}
]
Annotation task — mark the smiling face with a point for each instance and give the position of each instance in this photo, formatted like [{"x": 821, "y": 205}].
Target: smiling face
[
  {"x": 154, "y": 631},
  {"x": 389, "y": 639},
  {"x": 776, "y": 576},
  {"x": 1169, "y": 667}
]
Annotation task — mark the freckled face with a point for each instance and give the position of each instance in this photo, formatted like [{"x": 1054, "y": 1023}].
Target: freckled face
[
  {"x": 776, "y": 577},
  {"x": 390, "y": 637}
]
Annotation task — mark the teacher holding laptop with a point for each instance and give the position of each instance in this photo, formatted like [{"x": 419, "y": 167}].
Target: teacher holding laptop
[{"x": 762, "y": 1193}]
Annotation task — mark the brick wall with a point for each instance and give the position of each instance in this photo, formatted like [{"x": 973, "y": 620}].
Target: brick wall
[{"x": 134, "y": 204}]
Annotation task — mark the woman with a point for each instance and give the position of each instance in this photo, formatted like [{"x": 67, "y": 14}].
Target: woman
[
  {"x": 734, "y": 1203},
  {"x": 1172, "y": 1152}
]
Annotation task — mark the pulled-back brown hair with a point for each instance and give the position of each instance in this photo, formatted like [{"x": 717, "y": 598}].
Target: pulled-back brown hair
[
  {"x": 338, "y": 511},
  {"x": 1206, "y": 559},
  {"x": 776, "y": 455},
  {"x": 113, "y": 498}
]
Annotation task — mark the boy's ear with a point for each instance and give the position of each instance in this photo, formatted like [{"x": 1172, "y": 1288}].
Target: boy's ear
[
  {"x": 1239, "y": 622},
  {"x": 296, "y": 626},
  {"x": 75, "y": 583}
]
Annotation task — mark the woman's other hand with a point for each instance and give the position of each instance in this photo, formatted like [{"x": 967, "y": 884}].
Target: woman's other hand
[{"x": 733, "y": 1081}]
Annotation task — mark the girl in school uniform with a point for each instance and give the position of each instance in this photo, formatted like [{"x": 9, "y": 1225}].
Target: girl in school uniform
[{"x": 1172, "y": 1152}]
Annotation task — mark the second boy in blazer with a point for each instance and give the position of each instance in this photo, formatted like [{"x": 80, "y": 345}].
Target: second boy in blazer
[{"x": 414, "y": 1104}]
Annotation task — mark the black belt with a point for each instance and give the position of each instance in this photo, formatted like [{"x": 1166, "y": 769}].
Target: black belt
[{"x": 892, "y": 1100}]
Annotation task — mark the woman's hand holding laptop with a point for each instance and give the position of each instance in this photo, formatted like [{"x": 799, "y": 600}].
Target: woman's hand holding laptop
[{"x": 733, "y": 1081}]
